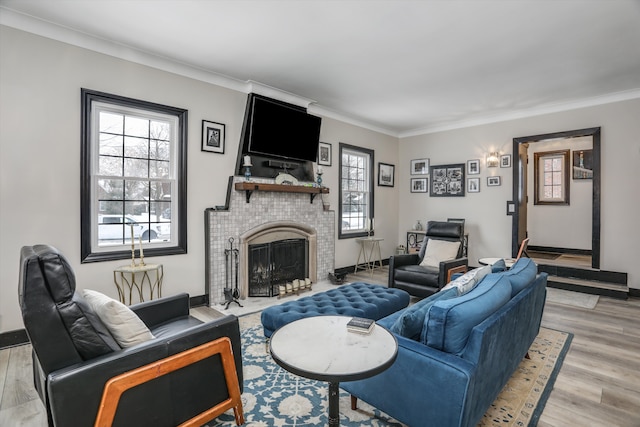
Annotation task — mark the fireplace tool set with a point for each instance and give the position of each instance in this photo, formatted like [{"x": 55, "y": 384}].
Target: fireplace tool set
[{"x": 231, "y": 273}]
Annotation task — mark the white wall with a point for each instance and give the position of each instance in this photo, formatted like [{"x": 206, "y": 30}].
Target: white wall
[
  {"x": 561, "y": 226},
  {"x": 489, "y": 226},
  {"x": 40, "y": 82}
]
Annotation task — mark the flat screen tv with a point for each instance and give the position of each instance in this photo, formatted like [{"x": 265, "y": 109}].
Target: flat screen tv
[{"x": 282, "y": 130}]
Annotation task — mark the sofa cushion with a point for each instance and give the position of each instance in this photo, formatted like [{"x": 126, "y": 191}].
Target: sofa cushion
[
  {"x": 469, "y": 280},
  {"x": 438, "y": 251},
  {"x": 409, "y": 323},
  {"x": 448, "y": 323},
  {"x": 124, "y": 325},
  {"x": 521, "y": 274},
  {"x": 426, "y": 276}
]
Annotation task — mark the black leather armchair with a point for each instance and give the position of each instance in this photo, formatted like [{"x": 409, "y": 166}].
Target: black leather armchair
[
  {"x": 74, "y": 355},
  {"x": 405, "y": 271}
]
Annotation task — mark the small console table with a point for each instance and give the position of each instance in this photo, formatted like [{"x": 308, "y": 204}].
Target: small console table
[
  {"x": 368, "y": 248},
  {"x": 125, "y": 279}
]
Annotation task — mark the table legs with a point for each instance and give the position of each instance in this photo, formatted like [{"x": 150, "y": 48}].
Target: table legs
[{"x": 334, "y": 404}]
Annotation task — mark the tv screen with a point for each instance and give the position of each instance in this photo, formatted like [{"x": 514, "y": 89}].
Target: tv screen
[{"x": 282, "y": 130}]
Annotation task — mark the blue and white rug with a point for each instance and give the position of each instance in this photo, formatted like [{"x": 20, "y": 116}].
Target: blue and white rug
[{"x": 275, "y": 397}]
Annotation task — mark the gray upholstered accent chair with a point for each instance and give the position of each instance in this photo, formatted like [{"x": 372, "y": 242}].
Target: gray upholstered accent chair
[
  {"x": 405, "y": 271},
  {"x": 75, "y": 355}
]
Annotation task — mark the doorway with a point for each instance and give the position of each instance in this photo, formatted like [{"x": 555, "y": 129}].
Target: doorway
[{"x": 520, "y": 191}]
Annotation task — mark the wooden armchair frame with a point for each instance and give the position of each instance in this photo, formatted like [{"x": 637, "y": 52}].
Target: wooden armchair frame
[{"x": 117, "y": 385}]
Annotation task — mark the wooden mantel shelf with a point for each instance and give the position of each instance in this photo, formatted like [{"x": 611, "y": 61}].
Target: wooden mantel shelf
[{"x": 250, "y": 187}]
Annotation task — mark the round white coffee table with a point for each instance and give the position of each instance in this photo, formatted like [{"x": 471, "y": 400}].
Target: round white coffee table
[{"x": 321, "y": 348}]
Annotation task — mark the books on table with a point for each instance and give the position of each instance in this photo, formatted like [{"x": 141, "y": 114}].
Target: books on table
[{"x": 360, "y": 325}]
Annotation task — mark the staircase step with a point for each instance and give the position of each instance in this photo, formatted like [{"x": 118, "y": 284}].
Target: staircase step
[
  {"x": 593, "y": 287},
  {"x": 584, "y": 273}
]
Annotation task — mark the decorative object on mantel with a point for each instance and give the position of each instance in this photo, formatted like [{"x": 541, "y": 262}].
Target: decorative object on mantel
[
  {"x": 213, "y": 135},
  {"x": 295, "y": 287},
  {"x": 319, "y": 173},
  {"x": 447, "y": 180},
  {"x": 324, "y": 154},
  {"x": 250, "y": 187},
  {"x": 492, "y": 159},
  {"x": 231, "y": 269},
  {"x": 286, "y": 179},
  {"x": 247, "y": 167}
]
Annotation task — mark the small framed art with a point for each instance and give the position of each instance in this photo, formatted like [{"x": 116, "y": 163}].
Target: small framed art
[
  {"x": 473, "y": 167},
  {"x": 324, "y": 154},
  {"x": 386, "y": 174},
  {"x": 493, "y": 181},
  {"x": 419, "y": 185},
  {"x": 420, "y": 167},
  {"x": 505, "y": 161},
  {"x": 473, "y": 185},
  {"x": 213, "y": 135}
]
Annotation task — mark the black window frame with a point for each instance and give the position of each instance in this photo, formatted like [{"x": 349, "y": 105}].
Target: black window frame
[
  {"x": 88, "y": 97},
  {"x": 371, "y": 181}
]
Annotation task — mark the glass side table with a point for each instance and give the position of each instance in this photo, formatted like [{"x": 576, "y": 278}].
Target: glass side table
[{"x": 125, "y": 279}]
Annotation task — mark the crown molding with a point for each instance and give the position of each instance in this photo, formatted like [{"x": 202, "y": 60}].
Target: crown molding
[
  {"x": 30, "y": 24},
  {"x": 550, "y": 108}
]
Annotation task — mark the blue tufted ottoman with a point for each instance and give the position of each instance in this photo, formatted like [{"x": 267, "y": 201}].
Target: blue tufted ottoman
[{"x": 357, "y": 299}]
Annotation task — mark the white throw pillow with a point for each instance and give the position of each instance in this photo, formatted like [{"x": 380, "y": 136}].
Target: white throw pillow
[
  {"x": 469, "y": 280},
  {"x": 124, "y": 325},
  {"x": 438, "y": 251}
]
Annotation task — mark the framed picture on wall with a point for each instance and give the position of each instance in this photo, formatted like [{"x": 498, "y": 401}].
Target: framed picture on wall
[
  {"x": 419, "y": 185},
  {"x": 505, "y": 161},
  {"x": 473, "y": 167},
  {"x": 447, "y": 180},
  {"x": 213, "y": 135},
  {"x": 419, "y": 167},
  {"x": 493, "y": 181},
  {"x": 583, "y": 164},
  {"x": 386, "y": 174},
  {"x": 324, "y": 154},
  {"x": 473, "y": 185}
]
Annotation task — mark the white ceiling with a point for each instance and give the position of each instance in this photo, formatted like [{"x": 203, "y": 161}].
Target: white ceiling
[{"x": 402, "y": 67}]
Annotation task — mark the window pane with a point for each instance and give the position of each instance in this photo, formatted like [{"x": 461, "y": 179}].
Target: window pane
[
  {"x": 159, "y": 150},
  {"x": 160, "y": 130},
  {"x": 548, "y": 165},
  {"x": 110, "y": 189},
  {"x": 110, "y": 166},
  {"x": 557, "y": 164},
  {"x": 548, "y": 179},
  {"x": 548, "y": 192},
  {"x": 110, "y": 145},
  {"x": 557, "y": 178},
  {"x": 135, "y": 126},
  {"x": 138, "y": 211},
  {"x": 136, "y": 147},
  {"x": 159, "y": 169},
  {"x": 136, "y": 190},
  {"x": 138, "y": 168},
  {"x": 111, "y": 122}
]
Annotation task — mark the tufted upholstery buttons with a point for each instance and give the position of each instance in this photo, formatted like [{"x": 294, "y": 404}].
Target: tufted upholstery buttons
[{"x": 357, "y": 299}]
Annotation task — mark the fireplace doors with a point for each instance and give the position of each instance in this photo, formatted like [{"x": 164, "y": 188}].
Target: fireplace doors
[{"x": 275, "y": 263}]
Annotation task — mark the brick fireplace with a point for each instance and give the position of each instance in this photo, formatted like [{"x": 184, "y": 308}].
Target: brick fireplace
[{"x": 270, "y": 216}]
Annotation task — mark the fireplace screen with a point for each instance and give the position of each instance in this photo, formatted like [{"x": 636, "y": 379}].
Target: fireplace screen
[{"x": 276, "y": 263}]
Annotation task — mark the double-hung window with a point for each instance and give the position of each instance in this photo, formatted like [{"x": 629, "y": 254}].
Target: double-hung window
[
  {"x": 133, "y": 178},
  {"x": 551, "y": 170},
  {"x": 356, "y": 191}
]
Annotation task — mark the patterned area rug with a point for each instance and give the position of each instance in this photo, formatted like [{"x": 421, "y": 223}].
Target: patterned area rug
[{"x": 275, "y": 397}]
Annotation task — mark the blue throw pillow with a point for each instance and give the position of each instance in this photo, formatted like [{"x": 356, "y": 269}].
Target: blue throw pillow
[
  {"x": 409, "y": 324},
  {"x": 521, "y": 274},
  {"x": 448, "y": 324},
  {"x": 499, "y": 266}
]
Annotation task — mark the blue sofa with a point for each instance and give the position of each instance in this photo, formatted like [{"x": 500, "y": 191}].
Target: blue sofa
[{"x": 465, "y": 348}]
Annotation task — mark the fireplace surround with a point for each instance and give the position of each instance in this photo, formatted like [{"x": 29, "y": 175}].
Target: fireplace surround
[{"x": 268, "y": 217}]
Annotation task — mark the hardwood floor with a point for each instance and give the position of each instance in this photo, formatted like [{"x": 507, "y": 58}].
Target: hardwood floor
[{"x": 598, "y": 385}]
